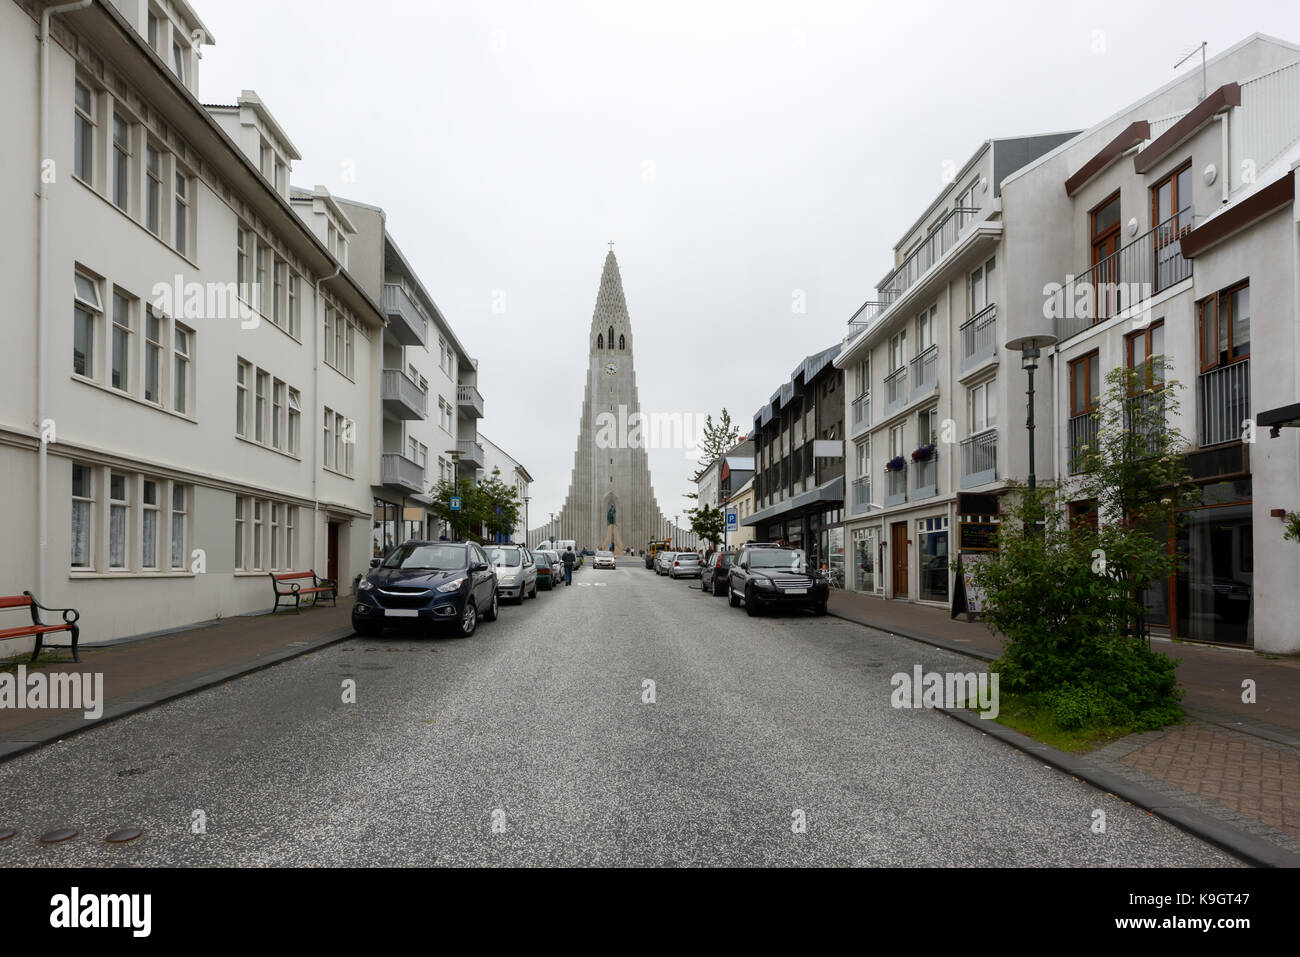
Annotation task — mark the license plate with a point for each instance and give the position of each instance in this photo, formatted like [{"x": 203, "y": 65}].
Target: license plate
[
  {"x": 401, "y": 613},
  {"x": 796, "y": 591}
]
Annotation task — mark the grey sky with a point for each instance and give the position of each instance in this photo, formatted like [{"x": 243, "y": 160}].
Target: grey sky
[{"x": 734, "y": 152}]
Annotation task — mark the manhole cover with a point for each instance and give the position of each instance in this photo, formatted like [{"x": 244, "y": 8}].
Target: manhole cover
[{"x": 59, "y": 834}]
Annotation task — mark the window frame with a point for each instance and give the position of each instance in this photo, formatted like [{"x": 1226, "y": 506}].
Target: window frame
[{"x": 1090, "y": 363}]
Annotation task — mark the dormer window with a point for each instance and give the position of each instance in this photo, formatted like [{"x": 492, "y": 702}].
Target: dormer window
[
  {"x": 178, "y": 60},
  {"x": 153, "y": 31}
]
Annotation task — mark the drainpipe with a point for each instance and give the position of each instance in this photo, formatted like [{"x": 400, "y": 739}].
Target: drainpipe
[
  {"x": 1225, "y": 175},
  {"x": 315, "y": 443},
  {"x": 42, "y": 298}
]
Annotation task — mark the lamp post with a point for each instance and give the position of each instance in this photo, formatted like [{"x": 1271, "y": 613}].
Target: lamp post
[
  {"x": 525, "y": 520},
  {"x": 1030, "y": 349}
]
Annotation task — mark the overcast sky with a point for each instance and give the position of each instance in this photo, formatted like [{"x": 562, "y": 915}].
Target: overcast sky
[{"x": 735, "y": 152}]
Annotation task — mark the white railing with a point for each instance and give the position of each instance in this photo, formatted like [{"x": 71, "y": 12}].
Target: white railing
[
  {"x": 925, "y": 371},
  {"x": 979, "y": 455},
  {"x": 979, "y": 335},
  {"x": 936, "y": 245},
  {"x": 1082, "y": 436},
  {"x": 896, "y": 389},
  {"x": 860, "y": 413},
  {"x": 1225, "y": 403}
]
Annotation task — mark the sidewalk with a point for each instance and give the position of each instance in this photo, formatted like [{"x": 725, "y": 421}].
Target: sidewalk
[
  {"x": 144, "y": 673},
  {"x": 1231, "y": 774}
]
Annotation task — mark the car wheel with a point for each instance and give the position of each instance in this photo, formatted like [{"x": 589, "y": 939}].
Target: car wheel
[
  {"x": 732, "y": 600},
  {"x": 367, "y": 630},
  {"x": 468, "y": 618},
  {"x": 819, "y": 609},
  {"x": 533, "y": 593},
  {"x": 717, "y": 592},
  {"x": 751, "y": 605},
  {"x": 493, "y": 609}
]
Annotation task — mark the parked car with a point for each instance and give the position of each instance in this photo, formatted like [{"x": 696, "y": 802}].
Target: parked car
[
  {"x": 765, "y": 576},
  {"x": 434, "y": 584},
  {"x": 604, "y": 560},
  {"x": 516, "y": 571},
  {"x": 554, "y": 556},
  {"x": 685, "y": 565},
  {"x": 663, "y": 561},
  {"x": 548, "y": 572},
  {"x": 713, "y": 574}
]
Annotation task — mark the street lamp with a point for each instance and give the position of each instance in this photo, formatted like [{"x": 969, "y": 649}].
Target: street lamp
[
  {"x": 1030, "y": 349},
  {"x": 525, "y": 520}
]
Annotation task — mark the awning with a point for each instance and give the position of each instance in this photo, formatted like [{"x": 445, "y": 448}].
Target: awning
[{"x": 832, "y": 491}]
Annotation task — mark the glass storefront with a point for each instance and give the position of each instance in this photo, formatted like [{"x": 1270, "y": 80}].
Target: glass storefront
[
  {"x": 864, "y": 560},
  {"x": 833, "y": 555},
  {"x": 932, "y": 556},
  {"x": 383, "y": 534},
  {"x": 1213, "y": 594},
  {"x": 413, "y": 523}
]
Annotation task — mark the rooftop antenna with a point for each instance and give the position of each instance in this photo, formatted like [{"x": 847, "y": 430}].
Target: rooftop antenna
[{"x": 1187, "y": 56}]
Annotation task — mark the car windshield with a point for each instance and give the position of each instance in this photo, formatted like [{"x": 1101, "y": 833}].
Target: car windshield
[
  {"x": 791, "y": 558},
  {"x": 508, "y": 557},
  {"x": 443, "y": 558},
  {"x": 604, "y": 554}
]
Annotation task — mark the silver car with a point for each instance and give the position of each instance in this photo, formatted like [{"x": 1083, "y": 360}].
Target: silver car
[
  {"x": 685, "y": 565},
  {"x": 516, "y": 572}
]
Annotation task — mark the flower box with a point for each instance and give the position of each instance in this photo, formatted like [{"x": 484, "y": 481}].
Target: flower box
[
  {"x": 924, "y": 453},
  {"x": 896, "y": 464}
]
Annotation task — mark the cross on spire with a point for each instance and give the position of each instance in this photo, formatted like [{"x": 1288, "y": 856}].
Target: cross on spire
[{"x": 611, "y": 245}]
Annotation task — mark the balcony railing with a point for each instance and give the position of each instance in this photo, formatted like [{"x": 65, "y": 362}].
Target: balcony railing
[
  {"x": 896, "y": 390},
  {"x": 979, "y": 459},
  {"x": 398, "y": 471},
  {"x": 861, "y": 498},
  {"x": 471, "y": 453},
  {"x": 1127, "y": 277},
  {"x": 402, "y": 395},
  {"x": 896, "y": 487},
  {"x": 469, "y": 401},
  {"x": 406, "y": 323},
  {"x": 925, "y": 372},
  {"x": 865, "y": 316},
  {"x": 979, "y": 337},
  {"x": 936, "y": 245},
  {"x": 1224, "y": 403},
  {"x": 1144, "y": 414},
  {"x": 860, "y": 414},
  {"x": 925, "y": 480},
  {"x": 1082, "y": 436}
]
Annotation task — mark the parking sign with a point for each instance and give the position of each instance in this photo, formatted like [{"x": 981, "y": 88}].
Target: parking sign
[{"x": 732, "y": 524}]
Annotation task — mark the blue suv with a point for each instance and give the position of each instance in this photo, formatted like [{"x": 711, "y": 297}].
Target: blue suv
[{"x": 434, "y": 584}]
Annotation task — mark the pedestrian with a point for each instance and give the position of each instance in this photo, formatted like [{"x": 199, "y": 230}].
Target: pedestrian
[{"x": 568, "y": 558}]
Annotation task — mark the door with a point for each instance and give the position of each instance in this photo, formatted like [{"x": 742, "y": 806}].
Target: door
[
  {"x": 898, "y": 546},
  {"x": 1105, "y": 263},
  {"x": 332, "y": 561}
]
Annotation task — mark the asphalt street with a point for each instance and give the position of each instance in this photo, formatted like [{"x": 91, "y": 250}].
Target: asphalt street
[{"x": 530, "y": 743}]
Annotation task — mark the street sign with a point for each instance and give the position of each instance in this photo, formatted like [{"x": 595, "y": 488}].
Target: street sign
[
  {"x": 732, "y": 521},
  {"x": 455, "y": 503}
]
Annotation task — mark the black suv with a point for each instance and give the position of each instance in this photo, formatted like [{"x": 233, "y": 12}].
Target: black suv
[
  {"x": 428, "y": 583},
  {"x": 774, "y": 576}
]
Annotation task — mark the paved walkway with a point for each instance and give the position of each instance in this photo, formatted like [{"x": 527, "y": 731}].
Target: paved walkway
[
  {"x": 1238, "y": 761},
  {"x": 143, "y": 673}
]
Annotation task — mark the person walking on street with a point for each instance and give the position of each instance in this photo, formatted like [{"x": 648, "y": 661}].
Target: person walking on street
[{"x": 568, "y": 558}]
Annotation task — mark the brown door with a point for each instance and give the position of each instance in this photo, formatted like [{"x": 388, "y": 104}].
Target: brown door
[
  {"x": 333, "y": 560},
  {"x": 898, "y": 545},
  {"x": 1105, "y": 264}
]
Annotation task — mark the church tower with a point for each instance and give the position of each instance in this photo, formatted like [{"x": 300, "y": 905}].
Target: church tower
[{"x": 610, "y": 499}]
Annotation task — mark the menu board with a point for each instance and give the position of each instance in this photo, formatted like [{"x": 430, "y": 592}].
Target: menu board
[
  {"x": 977, "y": 536},
  {"x": 967, "y": 596}
]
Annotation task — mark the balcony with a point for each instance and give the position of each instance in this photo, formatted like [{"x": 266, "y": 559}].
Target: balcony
[
  {"x": 402, "y": 396},
  {"x": 865, "y": 316},
  {"x": 925, "y": 477},
  {"x": 1144, "y": 417},
  {"x": 471, "y": 453},
  {"x": 406, "y": 323},
  {"x": 896, "y": 487},
  {"x": 469, "y": 402},
  {"x": 979, "y": 337},
  {"x": 860, "y": 414},
  {"x": 397, "y": 471},
  {"x": 895, "y": 390},
  {"x": 1123, "y": 280},
  {"x": 925, "y": 373},
  {"x": 979, "y": 459},
  {"x": 1082, "y": 436},
  {"x": 1224, "y": 395},
  {"x": 860, "y": 497},
  {"x": 942, "y": 238}
]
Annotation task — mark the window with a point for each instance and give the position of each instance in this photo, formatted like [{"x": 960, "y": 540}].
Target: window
[
  {"x": 600, "y": 340},
  {"x": 280, "y": 176},
  {"x": 621, "y": 345},
  {"x": 983, "y": 407},
  {"x": 610, "y": 340},
  {"x": 259, "y": 257},
  {"x": 257, "y": 535},
  {"x": 83, "y": 507},
  {"x": 182, "y": 212},
  {"x": 864, "y": 375},
  {"x": 149, "y": 525},
  {"x": 1140, "y": 346},
  {"x": 178, "y": 60},
  {"x": 864, "y": 457},
  {"x": 349, "y": 343},
  {"x": 181, "y": 370},
  {"x": 121, "y": 358},
  {"x": 242, "y": 372},
  {"x": 267, "y": 160},
  {"x": 179, "y": 512},
  {"x": 153, "y": 346},
  {"x": 295, "y": 422},
  {"x": 1171, "y": 202},
  {"x": 897, "y": 434},
  {"x": 293, "y": 304},
  {"x": 83, "y": 159},
  {"x": 241, "y": 263},
  {"x": 897, "y": 351},
  {"x": 277, "y": 292},
  {"x": 152, "y": 31},
  {"x": 276, "y": 518},
  {"x": 329, "y": 334},
  {"x": 85, "y": 317},
  {"x": 277, "y": 413},
  {"x": 239, "y": 534},
  {"x": 329, "y": 443},
  {"x": 925, "y": 326},
  {"x": 259, "y": 406},
  {"x": 117, "y": 520},
  {"x": 927, "y": 427},
  {"x": 121, "y": 162},
  {"x": 1085, "y": 384},
  {"x": 1225, "y": 327},
  {"x": 290, "y": 514},
  {"x": 153, "y": 190},
  {"x": 982, "y": 291}
]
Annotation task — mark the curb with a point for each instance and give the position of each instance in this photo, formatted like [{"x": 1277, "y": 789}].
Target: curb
[
  {"x": 56, "y": 728},
  {"x": 1249, "y": 848}
]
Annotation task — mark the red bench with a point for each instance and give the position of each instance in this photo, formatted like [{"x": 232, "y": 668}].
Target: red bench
[
  {"x": 291, "y": 585},
  {"x": 38, "y": 629}
]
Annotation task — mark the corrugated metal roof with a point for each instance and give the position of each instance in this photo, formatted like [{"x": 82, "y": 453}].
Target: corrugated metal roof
[{"x": 804, "y": 372}]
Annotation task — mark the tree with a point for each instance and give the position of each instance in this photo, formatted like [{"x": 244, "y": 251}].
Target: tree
[
  {"x": 462, "y": 521},
  {"x": 717, "y": 440},
  {"x": 708, "y": 523},
  {"x": 499, "y": 504},
  {"x": 490, "y": 504}
]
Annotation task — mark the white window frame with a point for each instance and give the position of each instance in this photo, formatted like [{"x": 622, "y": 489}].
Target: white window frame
[{"x": 86, "y": 502}]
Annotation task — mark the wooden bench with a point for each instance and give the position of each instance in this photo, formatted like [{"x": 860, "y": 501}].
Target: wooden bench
[
  {"x": 290, "y": 585},
  {"x": 38, "y": 629}
]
